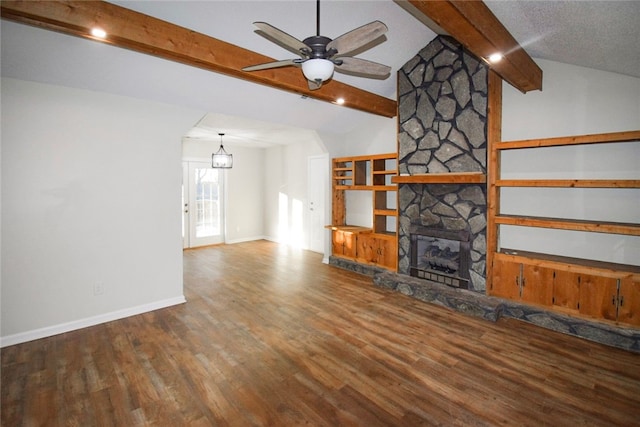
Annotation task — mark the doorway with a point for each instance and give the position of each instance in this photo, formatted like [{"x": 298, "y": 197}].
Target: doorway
[
  {"x": 203, "y": 204},
  {"x": 317, "y": 178}
]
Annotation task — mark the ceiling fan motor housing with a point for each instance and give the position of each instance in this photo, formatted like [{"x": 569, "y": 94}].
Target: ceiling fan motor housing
[{"x": 318, "y": 46}]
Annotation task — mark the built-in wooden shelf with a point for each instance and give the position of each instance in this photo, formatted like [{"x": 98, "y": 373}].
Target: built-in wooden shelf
[
  {"x": 367, "y": 187},
  {"x": 570, "y": 183},
  {"x": 570, "y": 224},
  {"x": 441, "y": 178},
  {"x": 385, "y": 212},
  {"x": 600, "y": 138},
  {"x": 544, "y": 259},
  {"x": 355, "y": 229}
]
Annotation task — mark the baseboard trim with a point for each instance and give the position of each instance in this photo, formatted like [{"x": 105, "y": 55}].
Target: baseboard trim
[
  {"x": 89, "y": 321},
  {"x": 245, "y": 239}
]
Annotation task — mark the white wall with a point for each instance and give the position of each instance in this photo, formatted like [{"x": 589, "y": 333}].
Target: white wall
[
  {"x": 377, "y": 135},
  {"x": 285, "y": 191},
  {"x": 90, "y": 183},
  {"x": 574, "y": 101},
  {"x": 243, "y": 186}
]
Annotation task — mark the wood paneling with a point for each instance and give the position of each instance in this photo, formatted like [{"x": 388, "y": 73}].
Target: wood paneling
[{"x": 271, "y": 336}]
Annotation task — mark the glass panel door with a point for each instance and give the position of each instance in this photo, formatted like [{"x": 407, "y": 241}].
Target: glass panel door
[{"x": 205, "y": 213}]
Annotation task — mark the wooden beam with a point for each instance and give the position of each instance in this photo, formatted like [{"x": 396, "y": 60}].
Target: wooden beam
[
  {"x": 476, "y": 27},
  {"x": 142, "y": 33}
]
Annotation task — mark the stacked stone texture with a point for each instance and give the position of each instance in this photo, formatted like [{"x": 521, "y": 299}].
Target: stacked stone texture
[{"x": 442, "y": 114}]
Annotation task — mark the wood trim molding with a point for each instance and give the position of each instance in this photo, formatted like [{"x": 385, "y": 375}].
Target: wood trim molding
[
  {"x": 142, "y": 33},
  {"x": 473, "y": 24},
  {"x": 494, "y": 135}
]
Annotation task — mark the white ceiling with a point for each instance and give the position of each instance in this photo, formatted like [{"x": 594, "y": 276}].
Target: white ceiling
[{"x": 602, "y": 35}]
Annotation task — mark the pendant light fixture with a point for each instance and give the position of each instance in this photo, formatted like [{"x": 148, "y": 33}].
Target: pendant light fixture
[{"x": 221, "y": 159}]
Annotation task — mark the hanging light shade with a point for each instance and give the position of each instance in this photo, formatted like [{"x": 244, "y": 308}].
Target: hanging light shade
[
  {"x": 317, "y": 69},
  {"x": 221, "y": 159}
]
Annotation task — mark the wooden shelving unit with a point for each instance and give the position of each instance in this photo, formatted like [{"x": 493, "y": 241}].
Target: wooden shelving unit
[
  {"x": 442, "y": 178},
  {"x": 376, "y": 245},
  {"x": 570, "y": 183},
  {"x": 603, "y": 291}
]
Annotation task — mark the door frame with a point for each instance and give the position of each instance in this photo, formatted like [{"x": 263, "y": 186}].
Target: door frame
[{"x": 187, "y": 235}]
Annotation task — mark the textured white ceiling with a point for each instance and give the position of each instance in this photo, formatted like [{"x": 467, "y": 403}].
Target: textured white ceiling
[{"x": 602, "y": 35}]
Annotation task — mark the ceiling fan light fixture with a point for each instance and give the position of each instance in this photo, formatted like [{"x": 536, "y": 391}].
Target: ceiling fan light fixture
[{"x": 317, "y": 69}]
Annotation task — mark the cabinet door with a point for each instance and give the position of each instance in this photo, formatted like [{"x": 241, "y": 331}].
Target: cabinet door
[
  {"x": 387, "y": 253},
  {"x": 566, "y": 290},
  {"x": 366, "y": 251},
  {"x": 343, "y": 244},
  {"x": 598, "y": 296},
  {"x": 506, "y": 279},
  {"x": 537, "y": 284},
  {"x": 629, "y": 301}
]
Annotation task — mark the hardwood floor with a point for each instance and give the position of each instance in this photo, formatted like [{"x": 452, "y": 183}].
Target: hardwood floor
[{"x": 272, "y": 337}]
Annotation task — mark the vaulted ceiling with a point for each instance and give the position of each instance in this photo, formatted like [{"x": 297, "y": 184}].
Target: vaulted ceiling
[{"x": 35, "y": 54}]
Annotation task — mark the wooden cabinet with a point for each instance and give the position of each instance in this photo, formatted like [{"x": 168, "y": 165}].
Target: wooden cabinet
[
  {"x": 506, "y": 283},
  {"x": 376, "y": 249},
  {"x": 343, "y": 243},
  {"x": 377, "y": 244},
  {"x": 595, "y": 290},
  {"x": 591, "y": 289},
  {"x": 526, "y": 282},
  {"x": 598, "y": 296},
  {"x": 629, "y": 300},
  {"x": 566, "y": 291}
]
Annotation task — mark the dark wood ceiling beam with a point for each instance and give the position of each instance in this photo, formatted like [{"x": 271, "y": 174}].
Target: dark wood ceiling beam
[
  {"x": 476, "y": 27},
  {"x": 142, "y": 33}
]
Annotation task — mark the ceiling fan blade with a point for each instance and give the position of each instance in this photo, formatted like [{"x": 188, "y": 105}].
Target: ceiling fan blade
[
  {"x": 275, "y": 64},
  {"x": 355, "y": 39},
  {"x": 280, "y": 37},
  {"x": 363, "y": 68},
  {"x": 314, "y": 85}
]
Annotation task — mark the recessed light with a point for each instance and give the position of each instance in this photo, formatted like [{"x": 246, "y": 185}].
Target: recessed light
[
  {"x": 340, "y": 101},
  {"x": 98, "y": 32},
  {"x": 495, "y": 57}
]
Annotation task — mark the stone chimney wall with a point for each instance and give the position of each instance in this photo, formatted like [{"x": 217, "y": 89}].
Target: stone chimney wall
[{"x": 442, "y": 124}]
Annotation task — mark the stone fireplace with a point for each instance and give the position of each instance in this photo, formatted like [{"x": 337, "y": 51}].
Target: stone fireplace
[{"x": 442, "y": 130}]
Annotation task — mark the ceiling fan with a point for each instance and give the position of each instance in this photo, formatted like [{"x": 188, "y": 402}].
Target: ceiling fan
[{"x": 320, "y": 56}]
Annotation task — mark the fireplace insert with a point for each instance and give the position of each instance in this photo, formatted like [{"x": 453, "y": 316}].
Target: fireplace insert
[{"x": 441, "y": 256}]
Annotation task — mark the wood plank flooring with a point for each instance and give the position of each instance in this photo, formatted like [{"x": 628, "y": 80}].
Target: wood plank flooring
[{"x": 270, "y": 336}]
